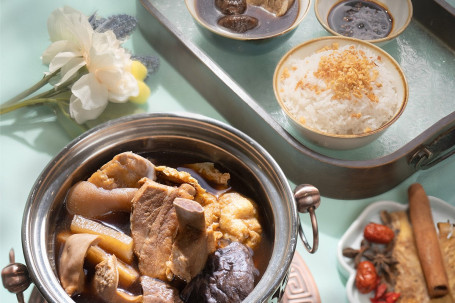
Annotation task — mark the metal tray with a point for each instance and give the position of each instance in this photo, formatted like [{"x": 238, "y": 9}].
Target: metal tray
[{"x": 236, "y": 78}]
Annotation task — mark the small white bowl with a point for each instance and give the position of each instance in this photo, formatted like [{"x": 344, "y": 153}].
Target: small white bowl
[
  {"x": 304, "y": 7},
  {"x": 338, "y": 141},
  {"x": 400, "y": 10}
]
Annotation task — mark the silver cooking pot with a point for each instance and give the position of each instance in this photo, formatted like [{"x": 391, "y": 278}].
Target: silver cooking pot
[{"x": 191, "y": 135}]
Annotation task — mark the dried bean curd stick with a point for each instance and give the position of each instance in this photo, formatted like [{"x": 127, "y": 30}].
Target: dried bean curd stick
[
  {"x": 427, "y": 243},
  {"x": 127, "y": 274}
]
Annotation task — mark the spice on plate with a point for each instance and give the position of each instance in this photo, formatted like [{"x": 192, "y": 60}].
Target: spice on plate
[
  {"x": 378, "y": 233},
  {"x": 366, "y": 277},
  {"x": 382, "y": 295},
  {"x": 426, "y": 241}
]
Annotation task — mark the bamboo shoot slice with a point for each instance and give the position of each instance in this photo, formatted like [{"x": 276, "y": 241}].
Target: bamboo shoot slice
[{"x": 112, "y": 240}]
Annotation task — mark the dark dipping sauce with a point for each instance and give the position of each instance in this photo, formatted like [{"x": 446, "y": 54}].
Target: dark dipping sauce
[
  {"x": 359, "y": 19},
  {"x": 120, "y": 221},
  {"x": 268, "y": 23}
]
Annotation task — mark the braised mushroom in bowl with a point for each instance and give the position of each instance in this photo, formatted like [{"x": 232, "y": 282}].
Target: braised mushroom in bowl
[
  {"x": 156, "y": 205},
  {"x": 248, "y": 19}
]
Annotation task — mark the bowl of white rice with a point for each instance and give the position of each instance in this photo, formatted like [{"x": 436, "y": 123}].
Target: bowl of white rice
[{"x": 340, "y": 92}]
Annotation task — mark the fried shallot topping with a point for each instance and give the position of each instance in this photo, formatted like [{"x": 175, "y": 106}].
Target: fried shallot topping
[{"x": 349, "y": 73}]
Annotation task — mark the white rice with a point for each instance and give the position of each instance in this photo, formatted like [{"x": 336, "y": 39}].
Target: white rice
[{"x": 337, "y": 116}]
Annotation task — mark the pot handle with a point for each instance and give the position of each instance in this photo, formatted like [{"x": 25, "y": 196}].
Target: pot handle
[
  {"x": 307, "y": 198},
  {"x": 15, "y": 277}
]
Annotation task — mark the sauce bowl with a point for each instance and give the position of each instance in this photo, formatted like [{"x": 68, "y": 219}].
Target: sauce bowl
[{"x": 401, "y": 12}]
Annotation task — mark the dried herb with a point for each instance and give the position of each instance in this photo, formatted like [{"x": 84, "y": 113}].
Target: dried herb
[
  {"x": 356, "y": 254},
  {"x": 384, "y": 262},
  {"x": 381, "y": 255}
]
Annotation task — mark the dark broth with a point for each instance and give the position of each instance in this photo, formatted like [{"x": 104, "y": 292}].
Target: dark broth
[
  {"x": 268, "y": 23},
  {"x": 360, "y": 19},
  {"x": 121, "y": 222}
]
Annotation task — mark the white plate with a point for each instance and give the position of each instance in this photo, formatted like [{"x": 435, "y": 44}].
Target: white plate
[{"x": 354, "y": 235}]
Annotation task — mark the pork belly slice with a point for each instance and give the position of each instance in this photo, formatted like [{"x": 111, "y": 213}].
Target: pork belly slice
[{"x": 154, "y": 226}]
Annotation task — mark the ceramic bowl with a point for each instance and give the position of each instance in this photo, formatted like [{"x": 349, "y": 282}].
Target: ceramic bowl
[
  {"x": 303, "y": 8},
  {"x": 169, "y": 135},
  {"x": 336, "y": 141},
  {"x": 401, "y": 12}
]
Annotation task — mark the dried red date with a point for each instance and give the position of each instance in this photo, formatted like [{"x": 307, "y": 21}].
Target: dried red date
[
  {"x": 378, "y": 233},
  {"x": 366, "y": 277},
  {"x": 383, "y": 296}
]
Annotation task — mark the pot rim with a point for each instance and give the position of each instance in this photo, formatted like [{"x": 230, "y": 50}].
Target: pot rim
[{"x": 40, "y": 269}]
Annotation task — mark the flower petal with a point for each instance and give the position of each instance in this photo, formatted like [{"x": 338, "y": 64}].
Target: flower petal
[
  {"x": 91, "y": 93},
  {"x": 125, "y": 88},
  {"x": 63, "y": 58},
  {"x": 111, "y": 65},
  {"x": 69, "y": 24},
  {"x": 70, "y": 69},
  {"x": 81, "y": 115},
  {"x": 56, "y": 48}
]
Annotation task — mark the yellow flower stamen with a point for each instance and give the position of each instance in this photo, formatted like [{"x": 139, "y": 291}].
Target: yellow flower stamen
[{"x": 144, "y": 93}]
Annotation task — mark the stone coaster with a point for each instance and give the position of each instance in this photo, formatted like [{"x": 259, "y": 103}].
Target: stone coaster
[{"x": 301, "y": 287}]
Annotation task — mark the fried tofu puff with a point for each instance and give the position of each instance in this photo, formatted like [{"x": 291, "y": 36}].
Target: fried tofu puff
[{"x": 239, "y": 220}]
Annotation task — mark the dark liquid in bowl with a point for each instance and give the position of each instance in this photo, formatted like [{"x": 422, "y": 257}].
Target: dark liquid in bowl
[
  {"x": 268, "y": 23},
  {"x": 364, "y": 20},
  {"x": 243, "y": 184}
]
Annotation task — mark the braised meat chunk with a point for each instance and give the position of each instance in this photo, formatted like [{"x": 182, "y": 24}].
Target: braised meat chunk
[
  {"x": 153, "y": 227},
  {"x": 228, "y": 277},
  {"x": 156, "y": 291}
]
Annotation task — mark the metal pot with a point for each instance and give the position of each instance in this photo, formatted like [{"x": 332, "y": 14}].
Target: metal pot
[{"x": 192, "y": 135}]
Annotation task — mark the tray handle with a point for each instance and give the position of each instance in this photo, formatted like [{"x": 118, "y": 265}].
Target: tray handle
[
  {"x": 307, "y": 198},
  {"x": 426, "y": 156}
]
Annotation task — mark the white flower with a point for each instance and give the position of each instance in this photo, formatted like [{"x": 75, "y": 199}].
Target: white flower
[
  {"x": 71, "y": 34},
  {"x": 75, "y": 45}
]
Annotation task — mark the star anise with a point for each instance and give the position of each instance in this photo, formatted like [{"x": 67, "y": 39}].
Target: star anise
[{"x": 384, "y": 262}]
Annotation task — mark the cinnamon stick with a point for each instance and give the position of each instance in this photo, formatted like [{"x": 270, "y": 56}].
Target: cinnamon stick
[{"x": 427, "y": 243}]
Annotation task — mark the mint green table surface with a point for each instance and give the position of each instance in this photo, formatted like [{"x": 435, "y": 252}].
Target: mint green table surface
[{"x": 30, "y": 138}]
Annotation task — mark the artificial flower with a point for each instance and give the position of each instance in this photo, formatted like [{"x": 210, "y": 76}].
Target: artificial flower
[
  {"x": 142, "y": 96},
  {"x": 88, "y": 66},
  {"x": 138, "y": 70},
  {"x": 71, "y": 36}
]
